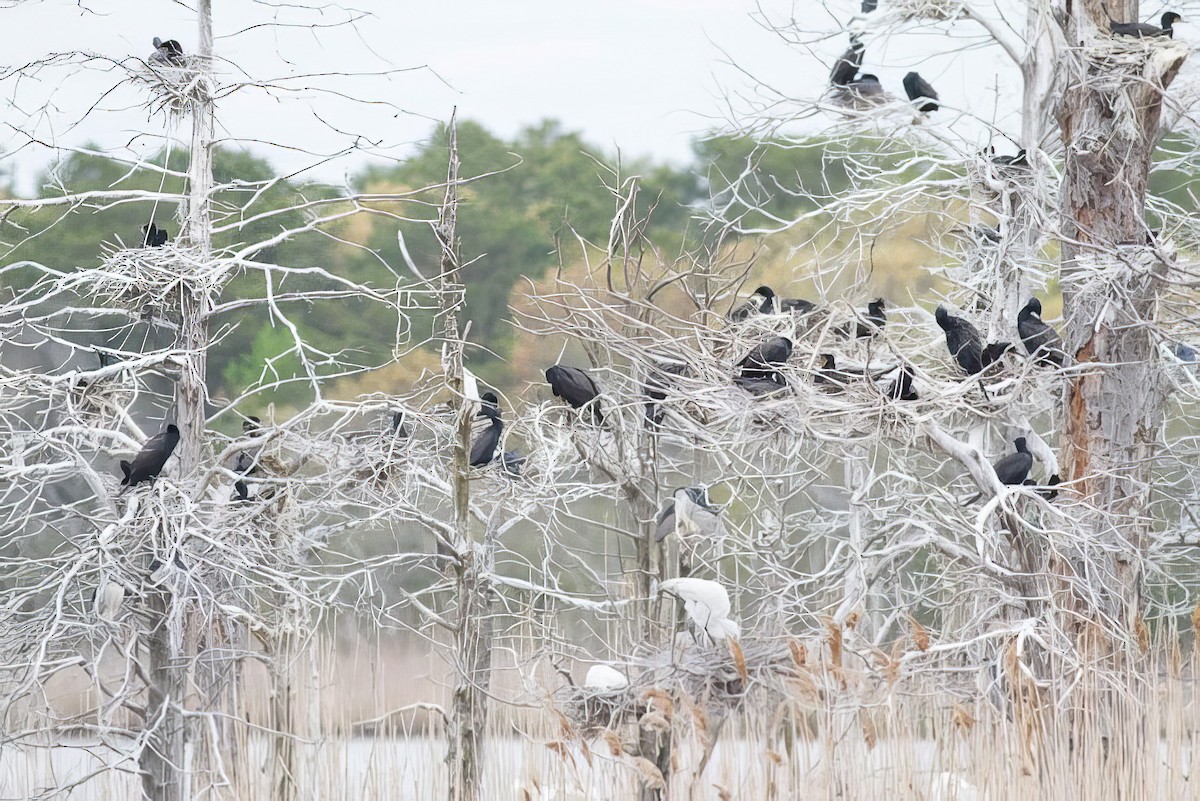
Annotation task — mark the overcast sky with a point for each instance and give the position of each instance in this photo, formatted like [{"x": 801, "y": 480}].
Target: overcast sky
[{"x": 644, "y": 75}]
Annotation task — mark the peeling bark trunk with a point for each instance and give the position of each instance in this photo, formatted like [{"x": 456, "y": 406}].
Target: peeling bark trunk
[
  {"x": 473, "y": 633},
  {"x": 1109, "y": 119},
  {"x": 164, "y": 762}
]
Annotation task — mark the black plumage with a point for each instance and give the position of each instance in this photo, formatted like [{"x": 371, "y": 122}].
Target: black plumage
[
  {"x": 168, "y": 52},
  {"x": 918, "y": 89},
  {"x": 761, "y": 385},
  {"x": 399, "y": 429},
  {"x": 761, "y": 301},
  {"x": 576, "y": 387},
  {"x": 1040, "y": 340},
  {"x": 902, "y": 387},
  {"x": 992, "y": 352},
  {"x": 869, "y": 5},
  {"x": 848, "y": 64},
  {"x": 962, "y": 340},
  {"x": 832, "y": 377},
  {"x": 514, "y": 463},
  {"x": 875, "y": 319},
  {"x": 866, "y": 86},
  {"x": 151, "y": 458},
  {"x": 1141, "y": 29},
  {"x": 1019, "y": 160},
  {"x": 1014, "y": 468},
  {"x": 483, "y": 450},
  {"x": 764, "y": 360},
  {"x": 154, "y": 237},
  {"x": 658, "y": 380},
  {"x": 796, "y": 305},
  {"x": 251, "y": 425}
]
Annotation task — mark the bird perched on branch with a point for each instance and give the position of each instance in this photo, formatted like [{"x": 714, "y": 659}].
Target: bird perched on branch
[
  {"x": 706, "y": 604},
  {"x": 1141, "y": 29},
  {"x": 962, "y": 340},
  {"x": 761, "y": 301},
  {"x": 848, "y": 64},
  {"x": 169, "y": 52},
  {"x": 1019, "y": 160},
  {"x": 867, "y": 87},
  {"x": 764, "y": 360},
  {"x": 918, "y": 89},
  {"x": 1040, "y": 340},
  {"x": 876, "y": 319},
  {"x": 154, "y": 237},
  {"x": 655, "y": 388},
  {"x": 483, "y": 450},
  {"x": 691, "y": 511},
  {"x": 577, "y": 388},
  {"x": 1012, "y": 469},
  {"x": 151, "y": 458},
  {"x": 902, "y": 387}
]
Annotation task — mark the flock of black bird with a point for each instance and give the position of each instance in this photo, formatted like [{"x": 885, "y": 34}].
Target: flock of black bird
[
  {"x": 759, "y": 372},
  {"x": 847, "y": 75}
]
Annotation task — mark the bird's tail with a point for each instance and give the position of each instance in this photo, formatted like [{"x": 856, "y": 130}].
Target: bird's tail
[{"x": 126, "y": 468}]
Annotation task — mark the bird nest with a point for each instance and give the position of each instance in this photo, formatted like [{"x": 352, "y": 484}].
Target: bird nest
[
  {"x": 141, "y": 277},
  {"x": 928, "y": 9},
  {"x": 177, "y": 86}
]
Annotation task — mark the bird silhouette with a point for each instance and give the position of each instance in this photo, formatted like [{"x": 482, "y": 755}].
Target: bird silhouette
[
  {"x": 577, "y": 388},
  {"x": 151, "y": 458},
  {"x": 919, "y": 90},
  {"x": 1040, "y": 340}
]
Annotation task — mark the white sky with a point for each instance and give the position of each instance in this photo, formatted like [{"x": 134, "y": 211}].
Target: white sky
[{"x": 642, "y": 75}]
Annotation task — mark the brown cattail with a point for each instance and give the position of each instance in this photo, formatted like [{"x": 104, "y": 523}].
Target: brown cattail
[
  {"x": 739, "y": 659},
  {"x": 962, "y": 718},
  {"x": 613, "y": 742},
  {"x": 650, "y": 773},
  {"x": 920, "y": 634},
  {"x": 800, "y": 653}
]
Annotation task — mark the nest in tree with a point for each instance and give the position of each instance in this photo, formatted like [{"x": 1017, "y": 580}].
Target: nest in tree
[
  {"x": 927, "y": 9},
  {"x": 137, "y": 278},
  {"x": 177, "y": 85}
]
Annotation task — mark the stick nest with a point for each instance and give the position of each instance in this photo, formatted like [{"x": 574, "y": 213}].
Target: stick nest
[
  {"x": 138, "y": 277},
  {"x": 928, "y": 9},
  {"x": 177, "y": 86}
]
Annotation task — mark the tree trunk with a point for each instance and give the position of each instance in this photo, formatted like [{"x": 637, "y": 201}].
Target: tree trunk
[
  {"x": 1109, "y": 119},
  {"x": 473, "y": 633},
  {"x": 164, "y": 760}
]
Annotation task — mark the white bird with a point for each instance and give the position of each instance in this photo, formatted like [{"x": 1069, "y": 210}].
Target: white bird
[
  {"x": 109, "y": 596},
  {"x": 706, "y": 604},
  {"x": 605, "y": 678}
]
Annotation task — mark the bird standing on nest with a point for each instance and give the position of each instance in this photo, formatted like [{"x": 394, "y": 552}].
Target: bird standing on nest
[
  {"x": 1041, "y": 341},
  {"x": 919, "y": 89},
  {"x": 1142, "y": 29}
]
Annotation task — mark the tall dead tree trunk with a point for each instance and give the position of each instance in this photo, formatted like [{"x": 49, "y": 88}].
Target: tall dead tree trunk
[
  {"x": 1111, "y": 276},
  {"x": 165, "y": 761},
  {"x": 473, "y": 632}
]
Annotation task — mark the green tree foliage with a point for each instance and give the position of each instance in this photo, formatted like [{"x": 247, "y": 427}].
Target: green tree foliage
[{"x": 550, "y": 185}]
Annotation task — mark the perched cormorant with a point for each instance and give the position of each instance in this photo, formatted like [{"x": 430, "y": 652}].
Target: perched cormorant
[
  {"x": 483, "y": 450},
  {"x": 848, "y": 65},
  {"x": 993, "y": 351},
  {"x": 866, "y": 86},
  {"x": 155, "y": 237},
  {"x": 764, "y": 360},
  {"x": 962, "y": 340},
  {"x": 761, "y": 301},
  {"x": 876, "y": 319},
  {"x": 829, "y": 374},
  {"x": 917, "y": 88},
  {"x": 1014, "y": 468},
  {"x": 902, "y": 387},
  {"x": 1140, "y": 29},
  {"x": 576, "y": 387},
  {"x": 655, "y": 387},
  {"x": 1040, "y": 340},
  {"x": 1019, "y": 160},
  {"x": 150, "y": 459},
  {"x": 168, "y": 52}
]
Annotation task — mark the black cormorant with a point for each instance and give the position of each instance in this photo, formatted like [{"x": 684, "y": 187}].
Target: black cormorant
[
  {"x": 902, "y": 387},
  {"x": 1014, "y": 468},
  {"x": 764, "y": 360},
  {"x": 848, "y": 64},
  {"x": 876, "y": 319},
  {"x": 150, "y": 459},
  {"x": 576, "y": 387},
  {"x": 1140, "y": 29},
  {"x": 154, "y": 237},
  {"x": 1040, "y": 340},
  {"x": 962, "y": 340},
  {"x": 483, "y": 450},
  {"x": 917, "y": 88}
]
